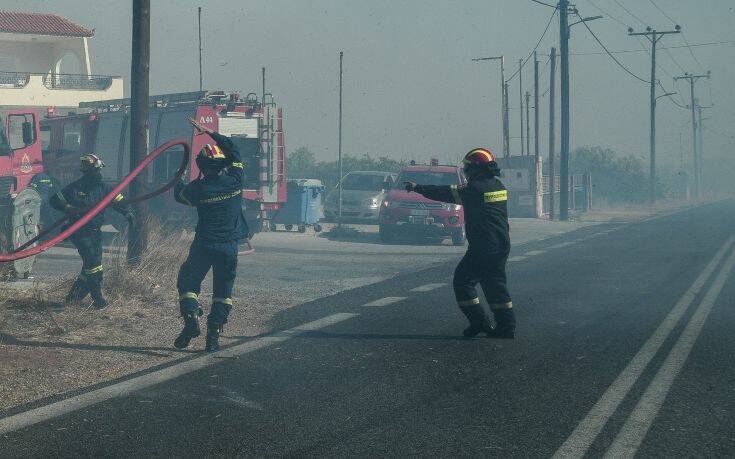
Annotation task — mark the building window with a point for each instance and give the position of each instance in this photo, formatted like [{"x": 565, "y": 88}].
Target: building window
[
  {"x": 45, "y": 139},
  {"x": 16, "y": 125},
  {"x": 72, "y": 138}
]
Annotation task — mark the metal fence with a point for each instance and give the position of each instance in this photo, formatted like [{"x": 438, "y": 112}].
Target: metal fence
[
  {"x": 73, "y": 81},
  {"x": 14, "y": 79}
]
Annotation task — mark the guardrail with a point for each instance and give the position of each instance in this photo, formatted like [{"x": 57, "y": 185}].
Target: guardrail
[{"x": 14, "y": 79}]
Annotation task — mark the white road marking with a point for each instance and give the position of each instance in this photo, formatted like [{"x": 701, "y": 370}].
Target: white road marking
[
  {"x": 517, "y": 258},
  {"x": 582, "y": 437},
  {"x": 634, "y": 430},
  {"x": 427, "y": 287},
  {"x": 385, "y": 301},
  {"x": 53, "y": 410},
  {"x": 533, "y": 253},
  {"x": 563, "y": 244}
]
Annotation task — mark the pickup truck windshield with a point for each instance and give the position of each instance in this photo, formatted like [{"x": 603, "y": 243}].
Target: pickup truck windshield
[{"x": 429, "y": 178}]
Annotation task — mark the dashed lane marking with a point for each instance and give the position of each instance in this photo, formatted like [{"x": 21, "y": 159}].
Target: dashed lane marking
[
  {"x": 384, "y": 301},
  {"x": 71, "y": 404},
  {"x": 517, "y": 258},
  {"x": 634, "y": 430},
  {"x": 589, "y": 428},
  {"x": 427, "y": 287},
  {"x": 533, "y": 253}
]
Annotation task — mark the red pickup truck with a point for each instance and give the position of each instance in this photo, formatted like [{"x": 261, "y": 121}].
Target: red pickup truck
[{"x": 403, "y": 213}]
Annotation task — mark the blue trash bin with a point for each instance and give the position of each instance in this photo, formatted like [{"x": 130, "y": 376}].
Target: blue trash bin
[{"x": 303, "y": 205}]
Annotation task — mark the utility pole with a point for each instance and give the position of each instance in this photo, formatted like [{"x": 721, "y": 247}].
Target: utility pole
[
  {"x": 200, "y": 49},
  {"x": 700, "y": 145},
  {"x": 564, "y": 153},
  {"x": 535, "y": 105},
  {"x": 538, "y": 169},
  {"x": 528, "y": 123},
  {"x": 139, "y": 68},
  {"x": 339, "y": 142},
  {"x": 552, "y": 139},
  {"x": 693, "y": 107},
  {"x": 520, "y": 96},
  {"x": 504, "y": 101},
  {"x": 653, "y": 36}
]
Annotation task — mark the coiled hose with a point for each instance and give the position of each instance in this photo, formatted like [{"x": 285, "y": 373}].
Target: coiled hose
[{"x": 23, "y": 251}]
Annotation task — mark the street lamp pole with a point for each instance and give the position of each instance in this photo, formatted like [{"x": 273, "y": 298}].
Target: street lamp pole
[{"x": 504, "y": 100}]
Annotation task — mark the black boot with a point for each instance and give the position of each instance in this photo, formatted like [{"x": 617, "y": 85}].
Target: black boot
[
  {"x": 479, "y": 321},
  {"x": 191, "y": 330},
  {"x": 505, "y": 323},
  {"x": 77, "y": 292},
  {"x": 213, "y": 331},
  {"x": 99, "y": 300}
]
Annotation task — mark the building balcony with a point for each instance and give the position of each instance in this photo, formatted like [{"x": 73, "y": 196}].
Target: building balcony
[{"x": 56, "y": 90}]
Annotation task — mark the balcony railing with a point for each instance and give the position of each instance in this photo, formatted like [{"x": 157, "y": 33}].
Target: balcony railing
[
  {"x": 14, "y": 79},
  {"x": 82, "y": 82}
]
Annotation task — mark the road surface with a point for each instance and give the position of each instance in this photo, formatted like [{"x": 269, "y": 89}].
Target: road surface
[{"x": 624, "y": 348}]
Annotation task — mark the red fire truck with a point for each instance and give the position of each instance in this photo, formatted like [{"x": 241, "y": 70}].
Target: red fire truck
[{"x": 103, "y": 128}]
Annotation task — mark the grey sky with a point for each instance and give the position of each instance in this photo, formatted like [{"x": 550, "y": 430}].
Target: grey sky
[{"x": 411, "y": 89}]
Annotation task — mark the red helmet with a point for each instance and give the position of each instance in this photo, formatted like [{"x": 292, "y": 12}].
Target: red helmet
[{"x": 479, "y": 157}]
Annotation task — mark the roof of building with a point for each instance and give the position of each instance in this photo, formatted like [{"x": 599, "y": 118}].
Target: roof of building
[{"x": 41, "y": 24}]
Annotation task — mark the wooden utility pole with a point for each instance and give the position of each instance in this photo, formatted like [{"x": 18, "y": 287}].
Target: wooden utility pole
[
  {"x": 695, "y": 153},
  {"x": 537, "y": 154},
  {"x": 552, "y": 139},
  {"x": 564, "y": 153},
  {"x": 528, "y": 123},
  {"x": 339, "y": 142},
  {"x": 139, "y": 69},
  {"x": 653, "y": 36},
  {"x": 199, "y": 19},
  {"x": 520, "y": 98}
]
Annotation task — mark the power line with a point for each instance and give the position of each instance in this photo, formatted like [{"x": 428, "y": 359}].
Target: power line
[
  {"x": 662, "y": 11},
  {"x": 669, "y": 96},
  {"x": 628, "y": 51},
  {"x": 535, "y": 47},
  {"x": 691, "y": 51},
  {"x": 607, "y": 14},
  {"x": 608, "y": 52},
  {"x": 630, "y": 13}
]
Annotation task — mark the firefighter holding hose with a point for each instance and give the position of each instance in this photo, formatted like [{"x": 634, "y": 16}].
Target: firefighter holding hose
[
  {"x": 484, "y": 199},
  {"x": 217, "y": 196},
  {"x": 75, "y": 199}
]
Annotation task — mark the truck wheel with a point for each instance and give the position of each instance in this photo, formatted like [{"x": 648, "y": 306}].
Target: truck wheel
[
  {"x": 288, "y": 227},
  {"x": 302, "y": 228},
  {"x": 458, "y": 238},
  {"x": 386, "y": 235}
]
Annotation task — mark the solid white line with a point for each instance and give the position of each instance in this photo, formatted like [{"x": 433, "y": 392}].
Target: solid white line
[
  {"x": 562, "y": 244},
  {"x": 427, "y": 287},
  {"x": 534, "y": 253},
  {"x": 53, "y": 410},
  {"x": 582, "y": 437},
  {"x": 385, "y": 301},
  {"x": 516, "y": 258},
  {"x": 631, "y": 436}
]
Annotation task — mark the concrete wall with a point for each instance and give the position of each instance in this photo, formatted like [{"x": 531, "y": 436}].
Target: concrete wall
[{"x": 42, "y": 56}]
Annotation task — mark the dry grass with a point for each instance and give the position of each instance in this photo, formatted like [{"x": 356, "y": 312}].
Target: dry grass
[{"x": 143, "y": 292}]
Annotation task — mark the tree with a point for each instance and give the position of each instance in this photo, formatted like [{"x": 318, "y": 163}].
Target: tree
[{"x": 301, "y": 163}]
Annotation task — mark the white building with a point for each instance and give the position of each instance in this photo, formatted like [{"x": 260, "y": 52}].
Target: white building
[{"x": 44, "y": 61}]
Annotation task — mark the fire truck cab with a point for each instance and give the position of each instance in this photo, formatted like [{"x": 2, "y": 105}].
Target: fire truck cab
[{"x": 103, "y": 128}]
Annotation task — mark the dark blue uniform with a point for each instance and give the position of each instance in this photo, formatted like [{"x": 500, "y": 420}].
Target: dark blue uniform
[
  {"x": 78, "y": 197},
  {"x": 218, "y": 200}
]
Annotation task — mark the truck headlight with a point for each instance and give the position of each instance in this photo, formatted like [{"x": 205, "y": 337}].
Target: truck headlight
[{"x": 372, "y": 202}]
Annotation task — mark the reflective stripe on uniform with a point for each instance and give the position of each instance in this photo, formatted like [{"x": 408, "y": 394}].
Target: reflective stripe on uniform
[
  {"x": 94, "y": 270},
  {"x": 496, "y": 196},
  {"x": 61, "y": 197},
  {"x": 238, "y": 165},
  {"x": 469, "y": 302},
  {"x": 227, "y": 301},
  {"x": 188, "y": 296},
  {"x": 455, "y": 194},
  {"x": 119, "y": 198},
  {"x": 497, "y": 306},
  {"x": 222, "y": 197}
]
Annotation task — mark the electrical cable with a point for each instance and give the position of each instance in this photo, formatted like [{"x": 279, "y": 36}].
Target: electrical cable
[
  {"x": 629, "y": 51},
  {"x": 610, "y": 54},
  {"x": 535, "y": 47},
  {"x": 669, "y": 96},
  {"x": 107, "y": 200},
  {"x": 630, "y": 13},
  {"x": 614, "y": 18},
  {"x": 662, "y": 12}
]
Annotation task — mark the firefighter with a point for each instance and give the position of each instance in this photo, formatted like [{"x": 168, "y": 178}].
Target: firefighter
[
  {"x": 46, "y": 187},
  {"x": 75, "y": 199},
  {"x": 217, "y": 196},
  {"x": 484, "y": 199}
]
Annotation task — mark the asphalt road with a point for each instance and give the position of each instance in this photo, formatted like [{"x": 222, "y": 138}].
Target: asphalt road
[{"x": 624, "y": 348}]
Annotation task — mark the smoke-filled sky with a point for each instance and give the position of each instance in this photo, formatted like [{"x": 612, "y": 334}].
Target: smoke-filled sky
[{"x": 410, "y": 87}]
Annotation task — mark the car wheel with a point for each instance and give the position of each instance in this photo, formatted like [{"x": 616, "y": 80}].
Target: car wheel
[
  {"x": 302, "y": 228},
  {"x": 458, "y": 238},
  {"x": 288, "y": 227},
  {"x": 386, "y": 235}
]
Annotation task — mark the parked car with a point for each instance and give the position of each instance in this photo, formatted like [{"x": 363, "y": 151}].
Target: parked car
[
  {"x": 404, "y": 213},
  {"x": 362, "y": 193}
]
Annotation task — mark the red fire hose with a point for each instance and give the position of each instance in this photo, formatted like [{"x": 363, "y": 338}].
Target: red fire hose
[{"x": 6, "y": 257}]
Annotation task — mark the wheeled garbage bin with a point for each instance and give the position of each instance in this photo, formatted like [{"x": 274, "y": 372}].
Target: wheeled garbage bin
[{"x": 303, "y": 205}]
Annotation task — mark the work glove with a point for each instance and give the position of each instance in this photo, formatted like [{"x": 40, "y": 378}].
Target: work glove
[{"x": 410, "y": 186}]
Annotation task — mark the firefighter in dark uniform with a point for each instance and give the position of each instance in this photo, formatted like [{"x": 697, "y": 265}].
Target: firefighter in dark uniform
[
  {"x": 76, "y": 198},
  {"x": 484, "y": 199},
  {"x": 217, "y": 196}
]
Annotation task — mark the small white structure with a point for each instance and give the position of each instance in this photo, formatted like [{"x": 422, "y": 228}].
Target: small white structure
[{"x": 35, "y": 52}]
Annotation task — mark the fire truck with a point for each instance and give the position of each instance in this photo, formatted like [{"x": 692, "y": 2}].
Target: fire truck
[{"x": 103, "y": 128}]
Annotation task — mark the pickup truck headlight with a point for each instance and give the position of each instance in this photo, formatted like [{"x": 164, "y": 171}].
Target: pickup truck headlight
[{"x": 372, "y": 202}]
